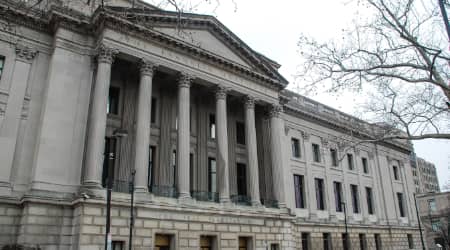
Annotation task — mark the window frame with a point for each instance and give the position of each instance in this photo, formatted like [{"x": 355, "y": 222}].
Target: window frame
[
  {"x": 295, "y": 148},
  {"x": 355, "y": 199},
  {"x": 334, "y": 157},
  {"x": 350, "y": 162},
  {"x": 212, "y": 175},
  {"x": 365, "y": 165},
  {"x": 299, "y": 191},
  {"x": 370, "y": 203},
  {"x": 316, "y": 152},
  {"x": 240, "y": 133},
  {"x": 320, "y": 194},
  {"x": 2, "y": 65},
  {"x": 338, "y": 196},
  {"x": 401, "y": 205}
]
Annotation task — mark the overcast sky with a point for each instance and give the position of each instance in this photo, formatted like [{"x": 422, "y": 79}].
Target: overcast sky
[{"x": 273, "y": 28}]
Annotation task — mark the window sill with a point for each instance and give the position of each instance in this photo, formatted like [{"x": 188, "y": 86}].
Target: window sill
[
  {"x": 297, "y": 160},
  {"x": 336, "y": 169}
]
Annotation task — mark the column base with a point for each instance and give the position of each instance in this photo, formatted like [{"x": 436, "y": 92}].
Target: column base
[
  {"x": 92, "y": 190},
  {"x": 185, "y": 199},
  {"x": 5, "y": 189},
  {"x": 225, "y": 200},
  {"x": 256, "y": 203}
]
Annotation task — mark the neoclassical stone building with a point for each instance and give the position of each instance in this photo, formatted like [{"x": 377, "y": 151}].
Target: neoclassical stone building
[{"x": 225, "y": 158}]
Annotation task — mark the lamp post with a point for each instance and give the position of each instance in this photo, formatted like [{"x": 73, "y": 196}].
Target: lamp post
[
  {"x": 345, "y": 223},
  {"x": 418, "y": 220},
  {"x": 118, "y": 133},
  {"x": 131, "y": 209}
]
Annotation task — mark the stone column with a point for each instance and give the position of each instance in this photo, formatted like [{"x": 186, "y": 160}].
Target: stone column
[
  {"x": 184, "y": 135},
  {"x": 250, "y": 138},
  {"x": 142, "y": 143},
  {"x": 222, "y": 144},
  {"x": 276, "y": 146},
  {"x": 13, "y": 114},
  {"x": 97, "y": 122}
]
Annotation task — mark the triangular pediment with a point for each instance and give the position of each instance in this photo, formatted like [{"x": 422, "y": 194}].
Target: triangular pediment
[{"x": 206, "y": 40}]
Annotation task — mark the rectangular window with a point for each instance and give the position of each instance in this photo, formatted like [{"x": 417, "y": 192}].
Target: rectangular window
[
  {"x": 320, "y": 195},
  {"x": 212, "y": 175},
  {"x": 174, "y": 167},
  {"x": 326, "y": 237},
  {"x": 435, "y": 225},
  {"x": 274, "y": 246},
  {"x": 212, "y": 126},
  {"x": 112, "y": 106},
  {"x": 350, "y": 161},
  {"x": 153, "y": 110},
  {"x": 355, "y": 198},
  {"x": 316, "y": 152},
  {"x": 401, "y": 206},
  {"x": 240, "y": 133},
  {"x": 109, "y": 160},
  {"x": 365, "y": 165},
  {"x": 369, "y": 200},
  {"x": 208, "y": 242},
  {"x": 245, "y": 243},
  {"x": 295, "y": 144},
  {"x": 241, "y": 179},
  {"x": 191, "y": 171},
  {"x": 151, "y": 161},
  {"x": 410, "y": 241},
  {"x": 362, "y": 242},
  {"x": 163, "y": 242},
  {"x": 334, "y": 158},
  {"x": 338, "y": 196},
  {"x": 299, "y": 191},
  {"x": 432, "y": 205},
  {"x": 378, "y": 245},
  {"x": 395, "y": 169},
  {"x": 305, "y": 241},
  {"x": 2, "y": 65},
  {"x": 118, "y": 245}
]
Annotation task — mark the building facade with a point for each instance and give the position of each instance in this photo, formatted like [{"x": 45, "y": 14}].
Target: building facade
[
  {"x": 224, "y": 157},
  {"x": 425, "y": 177},
  {"x": 434, "y": 213}
]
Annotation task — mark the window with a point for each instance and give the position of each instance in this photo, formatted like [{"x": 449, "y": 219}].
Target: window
[
  {"x": 334, "y": 159},
  {"x": 432, "y": 205},
  {"x": 395, "y": 169},
  {"x": 350, "y": 161},
  {"x": 163, "y": 242},
  {"x": 435, "y": 225},
  {"x": 212, "y": 175},
  {"x": 2, "y": 65},
  {"x": 295, "y": 144},
  {"x": 191, "y": 171},
  {"x": 212, "y": 126},
  {"x": 362, "y": 242},
  {"x": 338, "y": 196},
  {"x": 369, "y": 200},
  {"x": 245, "y": 243},
  {"x": 305, "y": 241},
  {"x": 378, "y": 245},
  {"x": 355, "y": 198},
  {"x": 326, "y": 241},
  {"x": 410, "y": 241},
  {"x": 345, "y": 241},
  {"x": 113, "y": 101},
  {"x": 207, "y": 242},
  {"x": 109, "y": 160},
  {"x": 274, "y": 246},
  {"x": 299, "y": 186},
  {"x": 316, "y": 152},
  {"x": 153, "y": 110},
  {"x": 241, "y": 179},
  {"x": 365, "y": 165},
  {"x": 118, "y": 245},
  {"x": 320, "y": 196},
  {"x": 151, "y": 160},
  {"x": 240, "y": 133},
  {"x": 174, "y": 167},
  {"x": 401, "y": 206}
]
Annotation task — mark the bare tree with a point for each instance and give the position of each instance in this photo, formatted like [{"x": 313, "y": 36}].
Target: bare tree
[{"x": 396, "y": 54}]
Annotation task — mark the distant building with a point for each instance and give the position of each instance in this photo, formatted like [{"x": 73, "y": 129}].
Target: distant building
[
  {"x": 434, "y": 213},
  {"x": 425, "y": 177}
]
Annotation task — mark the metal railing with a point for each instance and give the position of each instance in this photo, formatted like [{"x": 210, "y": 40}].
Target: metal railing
[
  {"x": 205, "y": 196},
  {"x": 164, "y": 191},
  {"x": 269, "y": 203},
  {"x": 241, "y": 200}
]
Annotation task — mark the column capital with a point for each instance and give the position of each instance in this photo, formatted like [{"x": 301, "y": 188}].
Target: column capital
[
  {"x": 25, "y": 53},
  {"x": 275, "y": 110},
  {"x": 185, "y": 80},
  {"x": 147, "y": 67},
  {"x": 106, "y": 54},
  {"x": 221, "y": 92},
  {"x": 249, "y": 102},
  {"x": 305, "y": 135}
]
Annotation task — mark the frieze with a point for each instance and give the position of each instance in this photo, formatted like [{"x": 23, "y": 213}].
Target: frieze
[{"x": 25, "y": 53}]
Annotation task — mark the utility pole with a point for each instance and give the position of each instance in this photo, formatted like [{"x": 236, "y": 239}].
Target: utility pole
[
  {"x": 418, "y": 219},
  {"x": 346, "y": 228},
  {"x": 130, "y": 238}
]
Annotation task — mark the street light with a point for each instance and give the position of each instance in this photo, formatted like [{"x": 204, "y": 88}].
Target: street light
[
  {"x": 345, "y": 222},
  {"x": 418, "y": 220},
  {"x": 118, "y": 133}
]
